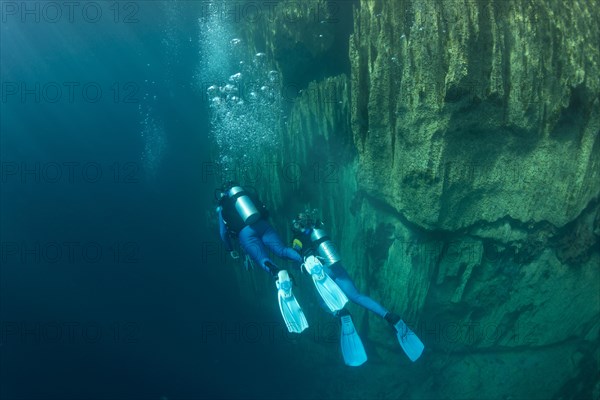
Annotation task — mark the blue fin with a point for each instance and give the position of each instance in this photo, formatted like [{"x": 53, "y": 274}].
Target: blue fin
[
  {"x": 409, "y": 341},
  {"x": 290, "y": 309},
  {"x": 333, "y": 297},
  {"x": 352, "y": 347}
]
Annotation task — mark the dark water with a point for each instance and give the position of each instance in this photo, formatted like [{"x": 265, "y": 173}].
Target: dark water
[{"x": 104, "y": 289}]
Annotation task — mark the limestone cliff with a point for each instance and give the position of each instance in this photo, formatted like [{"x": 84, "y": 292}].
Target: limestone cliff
[
  {"x": 480, "y": 110},
  {"x": 457, "y": 165}
]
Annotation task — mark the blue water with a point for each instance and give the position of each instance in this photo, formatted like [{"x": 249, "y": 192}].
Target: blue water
[{"x": 104, "y": 291}]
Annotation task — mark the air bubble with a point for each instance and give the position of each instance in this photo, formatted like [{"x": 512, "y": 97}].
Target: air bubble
[
  {"x": 235, "y": 77},
  {"x": 244, "y": 119},
  {"x": 228, "y": 89}
]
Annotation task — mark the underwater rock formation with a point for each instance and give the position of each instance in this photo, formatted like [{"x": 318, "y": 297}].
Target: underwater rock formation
[
  {"x": 307, "y": 40},
  {"x": 480, "y": 110},
  {"x": 458, "y": 168}
]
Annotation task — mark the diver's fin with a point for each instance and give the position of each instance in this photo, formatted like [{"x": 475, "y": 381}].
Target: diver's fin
[
  {"x": 290, "y": 309},
  {"x": 352, "y": 347},
  {"x": 330, "y": 292},
  {"x": 409, "y": 341}
]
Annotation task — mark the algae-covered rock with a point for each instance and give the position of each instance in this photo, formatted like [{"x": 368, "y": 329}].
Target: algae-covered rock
[
  {"x": 479, "y": 110},
  {"x": 307, "y": 40},
  {"x": 457, "y": 168}
]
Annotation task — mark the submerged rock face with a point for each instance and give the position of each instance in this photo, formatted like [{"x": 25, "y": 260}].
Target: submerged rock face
[
  {"x": 457, "y": 167},
  {"x": 482, "y": 120},
  {"x": 480, "y": 110},
  {"x": 307, "y": 40}
]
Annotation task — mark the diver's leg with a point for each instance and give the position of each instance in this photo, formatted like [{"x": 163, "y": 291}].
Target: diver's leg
[
  {"x": 254, "y": 247},
  {"x": 272, "y": 240},
  {"x": 338, "y": 273}
]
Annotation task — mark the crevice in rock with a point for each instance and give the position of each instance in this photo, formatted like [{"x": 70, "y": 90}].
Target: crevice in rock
[
  {"x": 585, "y": 382},
  {"x": 507, "y": 350},
  {"x": 573, "y": 119},
  {"x": 301, "y": 65},
  {"x": 418, "y": 230},
  {"x": 378, "y": 242},
  {"x": 575, "y": 242},
  {"x": 362, "y": 99}
]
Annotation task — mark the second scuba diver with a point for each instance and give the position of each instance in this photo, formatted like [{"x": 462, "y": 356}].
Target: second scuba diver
[{"x": 314, "y": 244}]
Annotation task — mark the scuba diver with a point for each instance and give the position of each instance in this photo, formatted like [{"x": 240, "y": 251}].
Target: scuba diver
[
  {"x": 308, "y": 230},
  {"x": 243, "y": 215}
]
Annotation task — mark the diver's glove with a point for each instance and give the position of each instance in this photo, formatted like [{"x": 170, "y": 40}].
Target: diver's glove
[{"x": 297, "y": 245}]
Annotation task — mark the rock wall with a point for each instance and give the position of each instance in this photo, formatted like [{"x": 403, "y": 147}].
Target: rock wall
[
  {"x": 480, "y": 110},
  {"x": 457, "y": 166}
]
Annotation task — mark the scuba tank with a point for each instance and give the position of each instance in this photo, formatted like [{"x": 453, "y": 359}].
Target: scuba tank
[
  {"x": 324, "y": 246},
  {"x": 244, "y": 205}
]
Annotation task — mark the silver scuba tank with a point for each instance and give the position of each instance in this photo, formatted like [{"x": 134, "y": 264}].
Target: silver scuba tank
[
  {"x": 244, "y": 205},
  {"x": 324, "y": 246}
]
